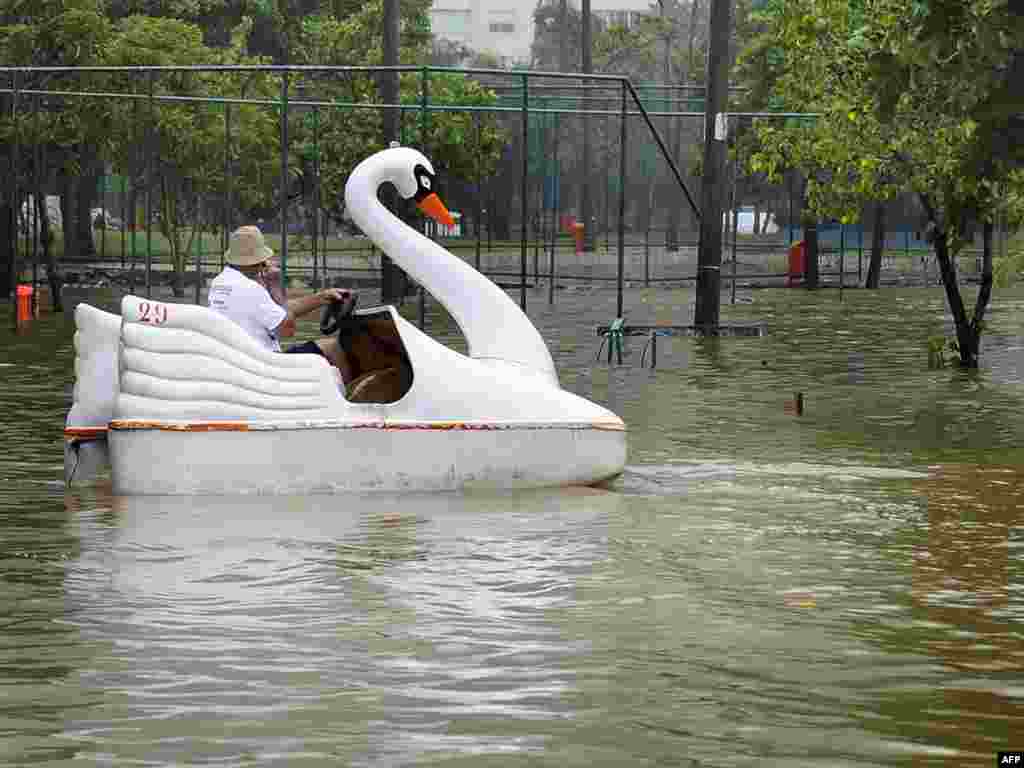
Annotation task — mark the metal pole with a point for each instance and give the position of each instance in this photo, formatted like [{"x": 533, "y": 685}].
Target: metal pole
[
  {"x": 544, "y": 209},
  {"x": 15, "y": 209},
  {"x": 149, "y": 192},
  {"x": 316, "y": 196},
  {"x": 479, "y": 190},
  {"x": 134, "y": 200},
  {"x": 103, "y": 214},
  {"x": 733, "y": 207},
  {"x": 622, "y": 203},
  {"x": 124, "y": 219},
  {"x": 229, "y": 192},
  {"x": 789, "y": 188},
  {"x": 284, "y": 179},
  {"x": 860, "y": 250},
  {"x": 842, "y": 257},
  {"x": 36, "y": 188},
  {"x": 540, "y": 209},
  {"x": 647, "y": 255},
  {"x": 524, "y": 201},
  {"x": 199, "y": 247}
]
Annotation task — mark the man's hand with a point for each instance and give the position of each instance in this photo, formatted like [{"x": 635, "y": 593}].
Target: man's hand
[{"x": 328, "y": 295}]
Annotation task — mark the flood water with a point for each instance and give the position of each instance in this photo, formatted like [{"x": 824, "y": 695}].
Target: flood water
[{"x": 843, "y": 587}]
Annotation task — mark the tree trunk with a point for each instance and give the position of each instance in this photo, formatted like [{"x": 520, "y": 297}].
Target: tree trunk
[
  {"x": 984, "y": 290},
  {"x": 393, "y": 281},
  {"x": 53, "y": 275},
  {"x": 967, "y": 334},
  {"x": 170, "y": 228},
  {"x": 877, "y": 246},
  {"x": 7, "y": 229},
  {"x": 86, "y": 195},
  {"x": 811, "y": 239},
  {"x": 66, "y": 189}
]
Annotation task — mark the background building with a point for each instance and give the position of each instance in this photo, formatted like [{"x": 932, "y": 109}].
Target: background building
[{"x": 504, "y": 28}]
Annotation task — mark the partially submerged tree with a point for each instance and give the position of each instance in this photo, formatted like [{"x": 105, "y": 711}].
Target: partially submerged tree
[{"x": 907, "y": 95}]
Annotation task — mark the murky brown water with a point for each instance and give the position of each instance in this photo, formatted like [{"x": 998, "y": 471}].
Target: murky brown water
[{"x": 844, "y": 587}]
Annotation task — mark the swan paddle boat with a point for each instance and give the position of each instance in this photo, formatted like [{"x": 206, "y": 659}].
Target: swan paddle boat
[{"x": 178, "y": 399}]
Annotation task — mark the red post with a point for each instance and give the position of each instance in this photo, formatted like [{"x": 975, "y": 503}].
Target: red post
[
  {"x": 24, "y": 294},
  {"x": 797, "y": 264}
]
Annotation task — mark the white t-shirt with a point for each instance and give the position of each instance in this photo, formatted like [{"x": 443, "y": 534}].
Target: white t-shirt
[{"x": 247, "y": 303}]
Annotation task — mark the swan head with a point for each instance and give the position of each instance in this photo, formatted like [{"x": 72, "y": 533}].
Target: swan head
[{"x": 413, "y": 177}]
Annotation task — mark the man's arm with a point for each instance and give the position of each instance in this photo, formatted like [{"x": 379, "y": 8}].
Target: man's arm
[{"x": 303, "y": 305}]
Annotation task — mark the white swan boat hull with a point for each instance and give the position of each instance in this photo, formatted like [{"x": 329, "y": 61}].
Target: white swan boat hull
[
  {"x": 192, "y": 405},
  {"x": 330, "y": 458}
]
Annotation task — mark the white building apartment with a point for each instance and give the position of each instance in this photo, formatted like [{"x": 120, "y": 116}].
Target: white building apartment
[{"x": 505, "y": 27}]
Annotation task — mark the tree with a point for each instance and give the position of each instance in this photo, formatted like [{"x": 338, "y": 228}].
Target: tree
[
  {"x": 64, "y": 144},
  {"x": 185, "y": 141},
  {"x": 908, "y": 95},
  {"x": 348, "y": 133}
]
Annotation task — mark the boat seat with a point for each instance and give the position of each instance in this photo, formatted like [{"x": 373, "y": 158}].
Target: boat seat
[{"x": 383, "y": 385}]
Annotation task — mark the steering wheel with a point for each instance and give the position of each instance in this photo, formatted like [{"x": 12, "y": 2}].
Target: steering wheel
[{"x": 336, "y": 313}]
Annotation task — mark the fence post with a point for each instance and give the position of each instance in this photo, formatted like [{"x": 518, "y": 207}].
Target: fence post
[
  {"x": 647, "y": 254},
  {"x": 199, "y": 247},
  {"x": 15, "y": 205},
  {"x": 133, "y": 201},
  {"x": 229, "y": 168},
  {"x": 284, "y": 179},
  {"x": 316, "y": 196},
  {"x": 622, "y": 201},
  {"x": 479, "y": 190},
  {"x": 524, "y": 201},
  {"x": 842, "y": 257},
  {"x": 149, "y": 191}
]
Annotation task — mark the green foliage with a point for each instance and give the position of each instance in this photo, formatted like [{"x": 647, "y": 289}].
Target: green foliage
[
  {"x": 186, "y": 140},
  {"x": 907, "y": 96}
]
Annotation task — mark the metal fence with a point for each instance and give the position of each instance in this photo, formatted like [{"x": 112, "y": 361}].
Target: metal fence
[{"x": 594, "y": 182}]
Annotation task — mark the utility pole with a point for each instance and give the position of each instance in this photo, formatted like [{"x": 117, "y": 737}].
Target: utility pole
[
  {"x": 585, "y": 213},
  {"x": 716, "y": 121},
  {"x": 392, "y": 279}
]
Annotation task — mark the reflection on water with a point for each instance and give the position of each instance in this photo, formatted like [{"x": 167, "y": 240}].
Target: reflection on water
[
  {"x": 343, "y": 617},
  {"x": 839, "y": 587}
]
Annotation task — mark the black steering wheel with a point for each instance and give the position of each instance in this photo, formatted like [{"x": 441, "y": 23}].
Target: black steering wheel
[{"x": 337, "y": 314}]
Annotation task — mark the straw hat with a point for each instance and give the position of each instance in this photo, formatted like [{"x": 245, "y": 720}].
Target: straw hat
[{"x": 247, "y": 247}]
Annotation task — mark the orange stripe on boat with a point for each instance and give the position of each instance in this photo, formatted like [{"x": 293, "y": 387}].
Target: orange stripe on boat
[
  {"x": 84, "y": 433},
  {"x": 400, "y": 426},
  {"x": 198, "y": 426}
]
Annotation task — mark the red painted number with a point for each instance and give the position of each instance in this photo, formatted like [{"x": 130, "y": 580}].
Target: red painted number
[{"x": 154, "y": 314}]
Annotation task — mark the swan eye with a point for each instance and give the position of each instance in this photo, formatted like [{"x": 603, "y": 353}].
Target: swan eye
[{"x": 425, "y": 182}]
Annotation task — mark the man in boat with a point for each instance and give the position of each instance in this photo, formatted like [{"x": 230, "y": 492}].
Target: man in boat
[{"x": 243, "y": 289}]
